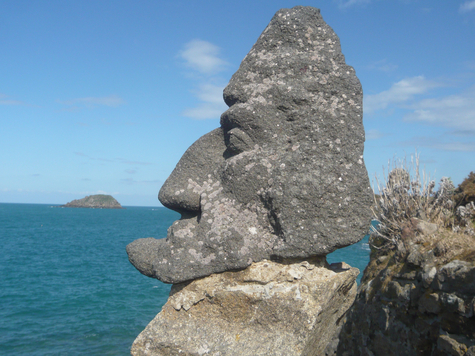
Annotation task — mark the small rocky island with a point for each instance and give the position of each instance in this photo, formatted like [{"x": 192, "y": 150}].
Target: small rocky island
[{"x": 98, "y": 201}]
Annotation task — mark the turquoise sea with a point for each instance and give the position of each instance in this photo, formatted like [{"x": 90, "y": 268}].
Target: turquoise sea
[{"x": 67, "y": 287}]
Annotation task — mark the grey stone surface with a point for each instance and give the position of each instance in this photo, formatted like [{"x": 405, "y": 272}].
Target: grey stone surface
[
  {"x": 284, "y": 176},
  {"x": 268, "y": 309}
]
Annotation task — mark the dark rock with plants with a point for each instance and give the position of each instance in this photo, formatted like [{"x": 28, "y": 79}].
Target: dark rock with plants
[
  {"x": 284, "y": 176},
  {"x": 417, "y": 295}
]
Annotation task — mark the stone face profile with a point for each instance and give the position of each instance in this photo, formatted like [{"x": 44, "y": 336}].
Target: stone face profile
[{"x": 283, "y": 178}]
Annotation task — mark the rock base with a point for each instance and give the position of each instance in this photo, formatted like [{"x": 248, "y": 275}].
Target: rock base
[
  {"x": 267, "y": 309},
  {"x": 415, "y": 299}
]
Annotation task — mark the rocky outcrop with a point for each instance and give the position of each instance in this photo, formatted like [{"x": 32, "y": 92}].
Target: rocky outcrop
[
  {"x": 98, "y": 201},
  {"x": 267, "y": 309},
  {"x": 283, "y": 177},
  {"x": 416, "y": 298},
  {"x": 264, "y": 198}
]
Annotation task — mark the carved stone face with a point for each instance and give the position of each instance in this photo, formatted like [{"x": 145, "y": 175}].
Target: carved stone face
[{"x": 283, "y": 177}]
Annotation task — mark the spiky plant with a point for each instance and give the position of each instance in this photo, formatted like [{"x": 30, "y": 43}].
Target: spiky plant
[{"x": 405, "y": 195}]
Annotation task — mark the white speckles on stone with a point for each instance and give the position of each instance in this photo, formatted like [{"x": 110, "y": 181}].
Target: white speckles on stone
[
  {"x": 249, "y": 166},
  {"x": 199, "y": 256}
]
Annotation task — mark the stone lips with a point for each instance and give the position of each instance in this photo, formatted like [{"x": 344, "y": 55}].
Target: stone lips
[{"x": 284, "y": 176}]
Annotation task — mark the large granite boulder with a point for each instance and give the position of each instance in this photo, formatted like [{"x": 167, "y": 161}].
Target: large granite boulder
[
  {"x": 283, "y": 177},
  {"x": 267, "y": 309}
]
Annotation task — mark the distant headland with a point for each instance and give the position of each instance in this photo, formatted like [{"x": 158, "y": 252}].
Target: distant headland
[{"x": 98, "y": 201}]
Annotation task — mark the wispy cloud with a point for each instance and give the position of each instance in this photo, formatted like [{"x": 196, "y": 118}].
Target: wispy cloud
[
  {"x": 92, "y": 102},
  {"x": 455, "y": 111},
  {"x": 467, "y": 6},
  {"x": 134, "y": 163},
  {"x": 444, "y": 143},
  {"x": 203, "y": 56},
  {"x": 383, "y": 66},
  {"x": 5, "y": 100},
  {"x": 131, "y": 181},
  {"x": 343, "y": 4},
  {"x": 212, "y": 104},
  {"x": 116, "y": 160},
  {"x": 400, "y": 92},
  {"x": 374, "y": 134}
]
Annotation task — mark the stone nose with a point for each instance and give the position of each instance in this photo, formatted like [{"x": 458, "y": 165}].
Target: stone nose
[{"x": 202, "y": 161}]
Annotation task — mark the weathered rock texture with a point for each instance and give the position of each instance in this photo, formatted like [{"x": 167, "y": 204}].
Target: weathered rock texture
[
  {"x": 267, "y": 309},
  {"x": 98, "y": 201},
  {"x": 283, "y": 177},
  {"x": 415, "y": 299}
]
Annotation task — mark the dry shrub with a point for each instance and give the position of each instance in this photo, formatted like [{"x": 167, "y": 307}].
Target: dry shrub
[
  {"x": 405, "y": 195},
  {"x": 465, "y": 192}
]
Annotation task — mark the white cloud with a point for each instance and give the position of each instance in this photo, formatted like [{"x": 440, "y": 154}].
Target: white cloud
[
  {"x": 134, "y": 163},
  {"x": 445, "y": 142},
  {"x": 348, "y": 3},
  {"x": 212, "y": 105},
  {"x": 456, "y": 111},
  {"x": 383, "y": 66},
  {"x": 399, "y": 93},
  {"x": 115, "y": 160},
  {"x": 211, "y": 93},
  {"x": 5, "y": 100},
  {"x": 91, "y": 102},
  {"x": 373, "y": 134},
  {"x": 467, "y": 6},
  {"x": 456, "y": 146},
  {"x": 204, "y": 111},
  {"x": 131, "y": 181},
  {"x": 203, "y": 56}
]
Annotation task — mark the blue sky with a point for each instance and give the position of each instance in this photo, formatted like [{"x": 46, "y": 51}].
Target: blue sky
[{"x": 105, "y": 96}]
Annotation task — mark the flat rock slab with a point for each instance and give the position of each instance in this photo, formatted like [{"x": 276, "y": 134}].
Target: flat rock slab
[{"x": 266, "y": 309}]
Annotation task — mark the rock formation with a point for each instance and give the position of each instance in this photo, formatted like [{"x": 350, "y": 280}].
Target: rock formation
[
  {"x": 416, "y": 297},
  {"x": 267, "y": 309},
  {"x": 264, "y": 198},
  {"x": 283, "y": 178},
  {"x": 98, "y": 201}
]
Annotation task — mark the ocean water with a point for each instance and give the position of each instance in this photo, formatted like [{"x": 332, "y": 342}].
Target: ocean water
[{"x": 67, "y": 287}]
